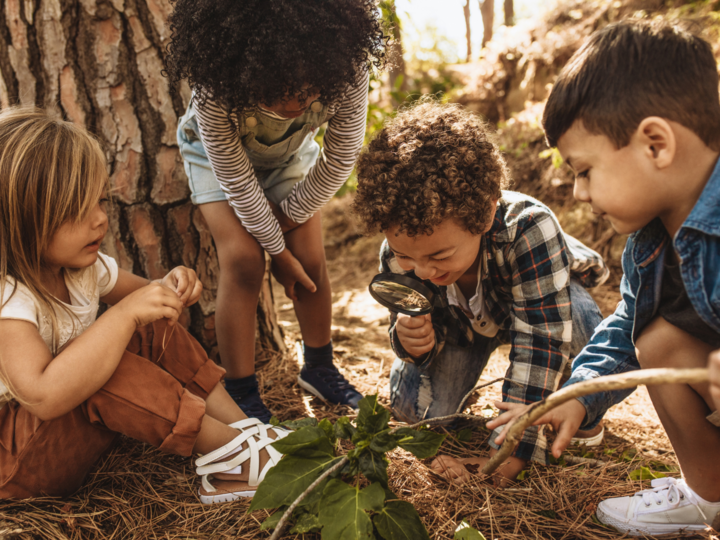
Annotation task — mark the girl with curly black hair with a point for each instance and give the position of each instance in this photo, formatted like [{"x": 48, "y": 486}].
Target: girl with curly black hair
[{"x": 266, "y": 75}]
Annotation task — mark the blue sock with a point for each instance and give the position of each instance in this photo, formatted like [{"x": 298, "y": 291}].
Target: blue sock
[
  {"x": 239, "y": 388},
  {"x": 318, "y": 356}
]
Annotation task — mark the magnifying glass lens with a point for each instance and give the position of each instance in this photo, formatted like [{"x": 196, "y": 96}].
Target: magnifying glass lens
[{"x": 404, "y": 298}]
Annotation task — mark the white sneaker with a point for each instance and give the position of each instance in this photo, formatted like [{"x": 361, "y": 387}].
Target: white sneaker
[{"x": 669, "y": 507}]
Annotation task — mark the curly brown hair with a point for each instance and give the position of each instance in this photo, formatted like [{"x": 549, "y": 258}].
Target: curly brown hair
[{"x": 430, "y": 163}]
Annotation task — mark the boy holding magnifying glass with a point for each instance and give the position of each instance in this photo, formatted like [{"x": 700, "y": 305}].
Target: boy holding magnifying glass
[{"x": 433, "y": 181}]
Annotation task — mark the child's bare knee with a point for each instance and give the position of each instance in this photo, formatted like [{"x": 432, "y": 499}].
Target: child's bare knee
[
  {"x": 246, "y": 270},
  {"x": 662, "y": 344}
]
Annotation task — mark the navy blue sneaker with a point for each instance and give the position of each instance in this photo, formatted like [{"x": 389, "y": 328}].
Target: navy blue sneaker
[
  {"x": 252, "y": 405},
  {"x": 327, "y": 383}
]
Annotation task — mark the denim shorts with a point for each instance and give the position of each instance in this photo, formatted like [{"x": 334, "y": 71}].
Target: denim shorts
[{"x": 277, "y": 183}]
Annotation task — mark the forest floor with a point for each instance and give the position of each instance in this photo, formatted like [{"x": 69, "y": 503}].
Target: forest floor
[{"x": 139, "y": 493}]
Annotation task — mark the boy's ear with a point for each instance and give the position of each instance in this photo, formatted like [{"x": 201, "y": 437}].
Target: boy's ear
[{"x": 657, "y": 140}]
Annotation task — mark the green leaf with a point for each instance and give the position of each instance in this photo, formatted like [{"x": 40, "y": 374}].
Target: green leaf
[
  {"x": 372, "y": 417},
  {"x": 464, "y": 435},
  {"x": 466, "y": 532},
  {"x": 374, "y": 467},
  {"x": 301, "y": 423},
  {"x": 343, "y": 428},
  {"x": 305, "y": 442},
  {"x": 422, "y": 444},
  {"x": 629, "y": 455},
  {"x": 288, "y": 479},
  {"x": 274, "y": 421},
  {"x": 399, "y": 520},
  {"x": 273, "y": 519},
  {"x": 307, "y": 523},
  {"x": 384, "y": 442},
  {"x": 643, "y": 473},
  {"x": 343, "y": 510},
  {"x": 550, "y": 514},
  {"x": 523, "y": 474},
  {"x": 327, "y": 427}
]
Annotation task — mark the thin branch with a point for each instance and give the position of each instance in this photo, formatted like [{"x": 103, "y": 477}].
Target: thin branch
[
  {"x": 600, "y": 384},
  {"x": 479, "y": 386},
  {"x": 576, "y": 460},
  {"x": 286, "y": 516}
]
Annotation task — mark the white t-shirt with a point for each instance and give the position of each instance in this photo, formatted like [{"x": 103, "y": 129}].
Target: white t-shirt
[
  {"x": 85, "y": 285},
  {"x": 475, "y": 308}
]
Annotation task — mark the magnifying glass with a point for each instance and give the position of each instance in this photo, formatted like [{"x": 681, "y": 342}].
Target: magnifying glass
[{"x": 404, "y": 294}]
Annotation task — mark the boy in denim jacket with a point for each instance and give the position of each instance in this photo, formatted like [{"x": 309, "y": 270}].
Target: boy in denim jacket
[
  {"x": 636, "y": 115},
  {"x": 431, "y": 180}
]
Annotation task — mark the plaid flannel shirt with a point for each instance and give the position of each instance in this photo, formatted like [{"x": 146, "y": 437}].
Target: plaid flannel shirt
[{"x": 527, "y": 264}]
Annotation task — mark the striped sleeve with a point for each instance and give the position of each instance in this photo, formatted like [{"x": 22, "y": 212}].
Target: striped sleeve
[
  {"x": 236, "y": 176},
  {"x": 341, "y": 146}
]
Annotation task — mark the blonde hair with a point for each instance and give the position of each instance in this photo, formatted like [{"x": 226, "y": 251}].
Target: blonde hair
[{"x": 51, "y": 173}]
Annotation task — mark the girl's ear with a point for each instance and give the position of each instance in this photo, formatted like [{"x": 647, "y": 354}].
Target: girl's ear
[{"x": 656, "y": 140}]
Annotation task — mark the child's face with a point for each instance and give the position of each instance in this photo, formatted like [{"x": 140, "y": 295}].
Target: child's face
[
  {"x": 442, "y": 257},
  {"x": 77, "y": 245},
  {"x": 620, "y": 184}
]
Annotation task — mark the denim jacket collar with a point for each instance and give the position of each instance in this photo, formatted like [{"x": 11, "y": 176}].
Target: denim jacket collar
[{"x": 704, "y": 215}]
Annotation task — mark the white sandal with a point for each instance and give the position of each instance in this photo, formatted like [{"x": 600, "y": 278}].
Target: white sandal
[
  {"x": 211, "y": 463},
  {"x": 255, "y": 426}
]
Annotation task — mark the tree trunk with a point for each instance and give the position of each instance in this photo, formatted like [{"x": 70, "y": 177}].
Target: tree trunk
[
  {"x": 487, "y": 10},
  {"x": 466, "y": 12},
  {"x": 98, "y": 64},
  {"x": 395, "y": 53},
  {"x": 509, "y": 12}
]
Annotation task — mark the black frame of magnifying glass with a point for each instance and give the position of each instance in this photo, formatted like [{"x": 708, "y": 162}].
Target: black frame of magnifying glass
[{"x": 411, "y": 282}]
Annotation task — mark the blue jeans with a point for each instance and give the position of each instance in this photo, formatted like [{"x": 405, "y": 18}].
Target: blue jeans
[{"x": 437, "y": 390}]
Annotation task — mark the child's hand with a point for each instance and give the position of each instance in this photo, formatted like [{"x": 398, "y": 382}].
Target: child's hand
[
  {"x": 715, "y": 377},
  {"x": 416, "y": 334},
  {"x": 288, "y": 271},
  {"x": 150, "y": 303},
  {"x": 565, "y": 420},
  {"x": 457, "y": 470},
  {"x": 185, "y": 283}
]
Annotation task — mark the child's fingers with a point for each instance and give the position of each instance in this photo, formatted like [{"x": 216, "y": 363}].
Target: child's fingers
[
  {"x": 564, "y": 435},
  {"x": 415, "y": 333},
  {"x": 290, "y": 292},
  {"x": 304, "y": 280},
  {"x": 195, "y": 294},
  {"x": 411, "y": 322}
]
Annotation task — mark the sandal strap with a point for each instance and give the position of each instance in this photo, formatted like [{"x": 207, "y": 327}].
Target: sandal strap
[
  {"x": 224, "y": 450},
  {"x": 255, "y": 444},
  {"x": 255, "y": 426}
]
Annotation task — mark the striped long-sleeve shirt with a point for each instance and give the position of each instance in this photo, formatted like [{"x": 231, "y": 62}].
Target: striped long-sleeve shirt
[{"x": 236, "y": 176}]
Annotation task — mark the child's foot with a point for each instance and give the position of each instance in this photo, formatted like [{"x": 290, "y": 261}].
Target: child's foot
[
  {"x": 327, "y": 383},
  {"x": 254, "y": 407},
  {"x": 669, "y": 507},
  {"x": 235, "y": 470}
]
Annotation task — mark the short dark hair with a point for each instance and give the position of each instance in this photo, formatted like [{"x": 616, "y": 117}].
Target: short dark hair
[
  {"x": 430, "y": 163},
  {"x": 244, "y": 52},
  {"x": 631, "y": 70}
]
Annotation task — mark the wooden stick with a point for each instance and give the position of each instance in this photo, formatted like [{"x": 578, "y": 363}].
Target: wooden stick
[{"x": 600, "y": 384}]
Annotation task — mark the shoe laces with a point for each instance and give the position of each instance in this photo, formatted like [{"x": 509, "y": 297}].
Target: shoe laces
[
  {"x": 669, "y": 491},
  {"x": 333, "y": 377}
]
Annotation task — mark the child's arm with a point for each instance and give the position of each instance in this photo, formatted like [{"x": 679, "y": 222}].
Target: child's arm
[
  {"x": 715, "y": 377},
  {"x": 50, "y": 387},
  {"x": 180, "y": 279}
]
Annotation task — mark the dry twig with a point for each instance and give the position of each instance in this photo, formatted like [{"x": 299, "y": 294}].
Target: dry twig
[{"x": 600, "y": 384}]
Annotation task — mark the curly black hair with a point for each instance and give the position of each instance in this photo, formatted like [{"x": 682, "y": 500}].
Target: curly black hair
[
  {"x": 240, "y": 53},
  {"x": 430, "y": 163}
]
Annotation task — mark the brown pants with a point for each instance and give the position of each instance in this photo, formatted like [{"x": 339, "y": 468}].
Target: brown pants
[{"x": 160, "y": 402}]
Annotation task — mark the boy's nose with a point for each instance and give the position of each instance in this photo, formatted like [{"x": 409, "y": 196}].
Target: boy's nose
[
  {"x": 580, "y": 191},
  {"x": 424, "y": 272}
]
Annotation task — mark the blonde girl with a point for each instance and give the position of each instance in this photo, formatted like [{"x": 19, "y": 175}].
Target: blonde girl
[{"x": 72, "y": 381}]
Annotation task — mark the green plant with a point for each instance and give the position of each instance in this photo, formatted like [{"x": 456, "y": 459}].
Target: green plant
[{"x": 338, "y": 504}]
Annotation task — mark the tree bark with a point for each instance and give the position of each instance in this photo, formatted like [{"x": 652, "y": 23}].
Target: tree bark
[
  {"x": 509, "y": 9},
  {"x": 98, "y": 63},
  {"x": 466, "y": 13},
  {"x": 487, "y": 10},
  {"x": 395, "y": 52}
]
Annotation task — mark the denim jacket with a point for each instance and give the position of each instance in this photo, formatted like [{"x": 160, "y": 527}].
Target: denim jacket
[{"x": 612, "y": 347}]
